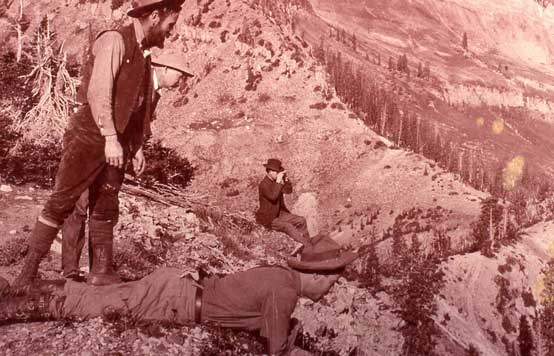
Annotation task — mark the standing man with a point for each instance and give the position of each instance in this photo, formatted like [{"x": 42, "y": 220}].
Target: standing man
[
  {"x": 273, "y": 213},
  {"x": 106, "y": 131},
  {"x": 259, "y": 299},
  {"x": 168, "y": 72}
]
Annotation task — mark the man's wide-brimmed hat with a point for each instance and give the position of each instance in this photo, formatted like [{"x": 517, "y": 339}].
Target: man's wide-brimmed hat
[
  {"x": 141, "y": 7},
  {"x": 324, "y": 254},
  {"x": 274, "y": 164},
  {"x": 173, "y": 61}
]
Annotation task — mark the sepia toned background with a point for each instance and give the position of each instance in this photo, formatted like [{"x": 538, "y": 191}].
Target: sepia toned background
[{"x": 421, "y": 128}]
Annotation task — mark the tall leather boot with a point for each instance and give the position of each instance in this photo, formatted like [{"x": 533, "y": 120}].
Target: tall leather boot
[
  {"x": 101, "y": 237},
  {"x": 102, "y": 272},
  {"x": 39, "y": 245},
  {"x": 41, "y": 301}
]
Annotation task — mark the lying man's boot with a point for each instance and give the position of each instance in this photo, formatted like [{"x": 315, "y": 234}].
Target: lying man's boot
[
  {"x": 38, "y": 302},
  {"x": 102, "y": 272}
]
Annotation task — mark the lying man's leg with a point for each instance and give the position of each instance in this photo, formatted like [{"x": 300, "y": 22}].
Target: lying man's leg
[{"x": 162, "y": 296}]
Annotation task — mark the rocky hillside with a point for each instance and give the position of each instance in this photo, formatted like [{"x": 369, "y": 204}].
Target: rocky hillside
[{"x": 258, "y": 92}]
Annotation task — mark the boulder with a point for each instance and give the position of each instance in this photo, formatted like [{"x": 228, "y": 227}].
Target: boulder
[{"x": 307, "y": 206}]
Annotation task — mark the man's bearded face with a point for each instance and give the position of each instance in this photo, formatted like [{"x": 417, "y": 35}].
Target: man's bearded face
[{"x": 162, "y": 30}]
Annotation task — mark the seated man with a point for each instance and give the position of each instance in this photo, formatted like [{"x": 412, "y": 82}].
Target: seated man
[
  {"x": 170, "y": 70},
  {"x": 273, "y": 213},
  {"x": 259, "y": 299}
]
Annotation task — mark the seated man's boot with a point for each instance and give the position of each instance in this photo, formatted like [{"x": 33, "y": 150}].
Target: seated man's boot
[
  {"x": 102, "y": 272},
  {"x": 38, "y": 302}
]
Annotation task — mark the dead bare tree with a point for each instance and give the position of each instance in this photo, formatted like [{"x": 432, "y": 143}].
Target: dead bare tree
[
  {"x": 418, "y": 128},
  {"x": 19, "y": 29},
  {"x": 398, "y": 141},
  {"x": 54, "y": 87},
  {"x": 383, "y": 120}
]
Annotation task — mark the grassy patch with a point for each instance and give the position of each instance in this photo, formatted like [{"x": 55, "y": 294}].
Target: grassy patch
[{"x": 12, "y": 251}]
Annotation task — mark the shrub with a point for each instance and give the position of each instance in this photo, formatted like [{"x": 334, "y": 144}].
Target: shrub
[
  {"x": 337, "y": 106},
  {"x": 318, "y": 106},
  {"x": 214, "y": 24},
  {"x": 165, "y": 166},
  {"x": 264, "y": 98},
  {"x": 27, "y": 162},
  {"x": 225, "y": 98}
]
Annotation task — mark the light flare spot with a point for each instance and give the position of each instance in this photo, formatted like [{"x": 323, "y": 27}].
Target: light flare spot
[
  {"x": 538, "y": 288},
  {"x": 498, "y": 126},
  {"x": 513, "y": 172},
  {"x": 550, "y": 249},
  {"x": 480, "y": 122}
]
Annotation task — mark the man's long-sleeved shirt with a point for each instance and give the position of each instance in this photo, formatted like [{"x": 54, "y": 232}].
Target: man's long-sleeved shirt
[{"x": 108, "y": 51}]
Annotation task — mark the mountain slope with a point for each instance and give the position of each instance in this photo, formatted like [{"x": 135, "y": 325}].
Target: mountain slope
[{"x": 259, "y": 93}]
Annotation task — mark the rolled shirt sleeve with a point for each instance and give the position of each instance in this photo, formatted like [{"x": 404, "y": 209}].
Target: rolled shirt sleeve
[{"x": 108, "y": 52}]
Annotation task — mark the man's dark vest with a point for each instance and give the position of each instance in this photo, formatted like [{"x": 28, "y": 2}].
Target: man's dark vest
[{"x": 133, "y": 79}]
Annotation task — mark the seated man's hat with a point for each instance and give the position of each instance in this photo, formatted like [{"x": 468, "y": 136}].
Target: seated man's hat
[
  {"x": 141, "y": 7},
  {"x": 325, "y": 254},
  {"x": 274, "y": 164}
]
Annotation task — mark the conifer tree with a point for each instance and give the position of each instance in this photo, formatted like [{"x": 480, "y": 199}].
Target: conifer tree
[
  {"x": 464, "y": 41},
  {"x": 525, "y": 337},
  {"x": 472, "y": 351},
  {"x": 546, "y": 317},
  {"x": 427, "y": 71}
]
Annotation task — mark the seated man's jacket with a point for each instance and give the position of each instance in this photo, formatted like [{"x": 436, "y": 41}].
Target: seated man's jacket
[{"x": 271, "y": 200}]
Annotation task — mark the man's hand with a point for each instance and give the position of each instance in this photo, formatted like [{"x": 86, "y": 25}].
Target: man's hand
[
  {"x": 113, "y": 151},
  {"x": 139, "y": 162},
  {"x": 280, "y": 177}
]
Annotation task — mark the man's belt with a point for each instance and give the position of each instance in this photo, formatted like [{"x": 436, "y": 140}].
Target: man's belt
[
  {"x": 198, "y": 305},
  {"x": 197, "y": 279}
]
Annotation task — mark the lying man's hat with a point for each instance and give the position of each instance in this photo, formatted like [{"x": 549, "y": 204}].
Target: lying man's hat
[
  {"x": 173, "y": 61},
  {"x": 141, "y": 7},
  {"x": 274, "y": 165},
  {"x": 324, "y": 255}
]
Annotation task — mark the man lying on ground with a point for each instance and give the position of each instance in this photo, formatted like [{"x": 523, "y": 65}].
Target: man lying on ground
[{"x": 259, "y": 299}]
